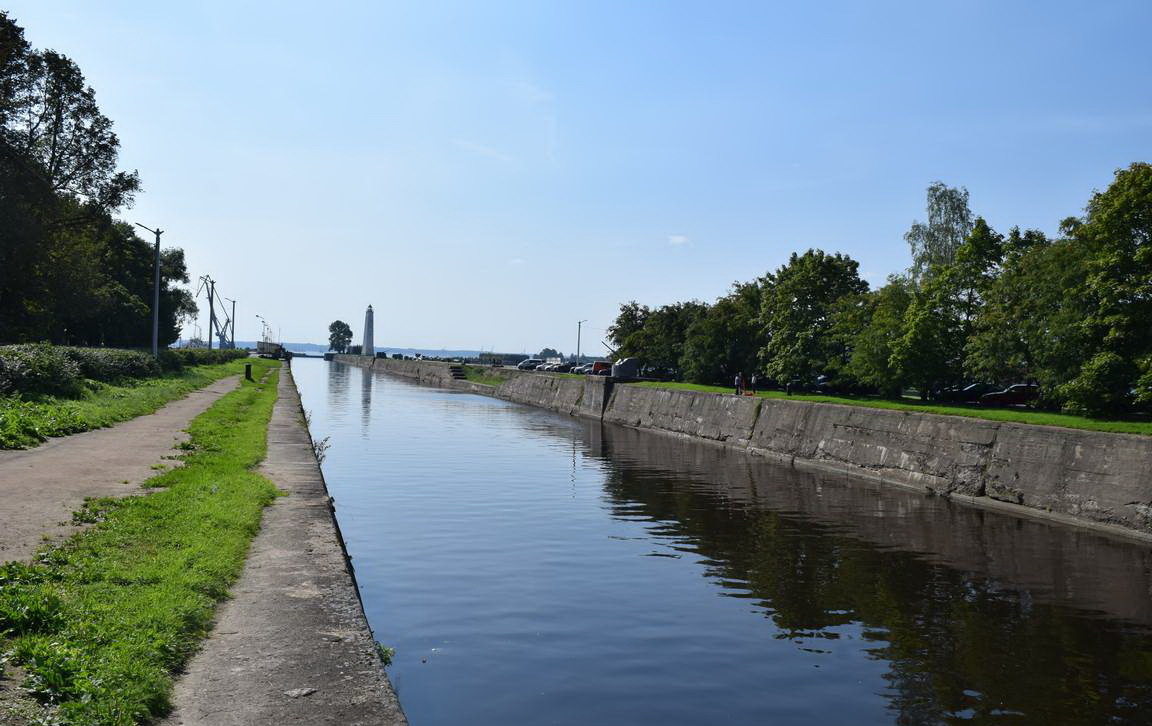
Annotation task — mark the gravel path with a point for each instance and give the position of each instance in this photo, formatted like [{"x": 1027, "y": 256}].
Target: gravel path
[{"x": 40, "y": 488}]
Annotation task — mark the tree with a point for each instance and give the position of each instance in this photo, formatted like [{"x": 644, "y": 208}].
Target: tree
[
  {"x": 870, "y": 325},
  {"x": 726, "y": 338},
  {"x": 1117, "y": 229},
  {"x": 339, "y": 336},
  {"x": 935, "y": 242},
  {"x": 548, "y": 353},
  {"x": 796, "y": 314},
  {"x": 55, "y": 122},
  {"x": 624, "y": 331}
]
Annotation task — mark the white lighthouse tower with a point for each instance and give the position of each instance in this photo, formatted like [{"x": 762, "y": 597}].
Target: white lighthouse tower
[{"x": 369, "y": 346}]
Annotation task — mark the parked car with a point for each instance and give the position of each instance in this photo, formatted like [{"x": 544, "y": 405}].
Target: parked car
[
  {"x": 967, "y": 394},
  {"x": 529, "y": 364},
  {"x": 601, "y": 368},
  {"x": 582, "y": 369},
  {"x": 562, "y": 368},
  {"x": 1013, "y": 395}
]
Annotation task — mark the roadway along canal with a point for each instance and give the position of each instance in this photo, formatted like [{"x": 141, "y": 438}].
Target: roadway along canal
[{"x": 531, "y": 568}]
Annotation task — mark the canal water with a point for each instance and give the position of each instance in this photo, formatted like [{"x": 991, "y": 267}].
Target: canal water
[{"x": 532, "y": 568}]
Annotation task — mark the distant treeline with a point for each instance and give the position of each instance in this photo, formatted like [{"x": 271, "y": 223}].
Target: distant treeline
[
  {"x": 69, "y": 272},
  {"x": 1073, "y": 314}
]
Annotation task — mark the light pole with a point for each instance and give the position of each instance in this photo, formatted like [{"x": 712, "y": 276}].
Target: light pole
[
  {"x": 578, "y": 324},
  {"x": 155, "y": 292},
  {"x": 263, "y": 329}
]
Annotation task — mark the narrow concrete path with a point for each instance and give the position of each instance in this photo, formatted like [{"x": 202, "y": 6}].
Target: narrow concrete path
[
  {"x": 292, "y": 646},
  {"x": 40, "y": 488}
]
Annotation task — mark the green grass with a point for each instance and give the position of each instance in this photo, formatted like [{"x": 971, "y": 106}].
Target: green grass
[
  {"x": 477, "y": 374},
  {"x": 1014, "y": 415},
  {"x": 100, "y": 622},
  {"x": 27, "y": 422}
]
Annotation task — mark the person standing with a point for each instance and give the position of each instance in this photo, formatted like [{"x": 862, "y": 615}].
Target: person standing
[
  {"x": 755, "y": 382},
  {"x": 739, "y": 382}
]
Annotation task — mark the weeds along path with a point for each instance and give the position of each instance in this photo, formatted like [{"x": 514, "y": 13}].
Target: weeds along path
[{"x": 40, "y": 488}]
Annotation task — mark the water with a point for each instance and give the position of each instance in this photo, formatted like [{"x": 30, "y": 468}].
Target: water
[{"x": 533, "y": 568}]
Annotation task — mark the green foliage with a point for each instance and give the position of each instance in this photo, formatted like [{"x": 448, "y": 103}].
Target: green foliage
[
  {"x": 871, "y": 326},
  {"x": 71, "y": 273},
  {"x": 725, "y": 339},
  {"x": 934, "y": 243},
  {"x": 797, "y": 315},
  {"x": 339, "y": 336},
  {"x": 1070, "y": 314},
  {"x": 100, "y": 623},
  {"x": 26, "y": 423}
]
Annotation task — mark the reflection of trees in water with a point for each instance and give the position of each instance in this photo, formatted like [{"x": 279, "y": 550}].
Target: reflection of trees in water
[
  {"x": 955, "y": 642},
  {"x": 337, "y": 384},
  {"x": 366, "y": 375}
]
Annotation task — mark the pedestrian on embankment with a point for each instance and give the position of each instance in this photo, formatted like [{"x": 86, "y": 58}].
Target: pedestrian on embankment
[{"x": 739, "y": 383}]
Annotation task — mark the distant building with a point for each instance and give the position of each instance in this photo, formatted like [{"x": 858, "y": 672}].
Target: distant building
[{"x": 369, "y": 347}]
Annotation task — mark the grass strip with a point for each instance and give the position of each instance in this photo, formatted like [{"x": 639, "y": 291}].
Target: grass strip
[
  {"x": 1012, "y": 415},
  {"x": 27, "y": 422},
  {"x": 480, "y": 375},
  {"x": 100, "y": 622}
]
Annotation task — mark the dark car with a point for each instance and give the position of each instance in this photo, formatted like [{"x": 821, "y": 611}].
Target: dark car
[
  {"x": 967, "y": 394},
  {"x": 530, "y": 364},
  {"x": 1013, "y": 395},
  {"x": 562, "y": 368}
]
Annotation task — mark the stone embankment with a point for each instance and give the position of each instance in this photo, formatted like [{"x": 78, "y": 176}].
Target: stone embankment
[{"x": 1079, "y": 477}]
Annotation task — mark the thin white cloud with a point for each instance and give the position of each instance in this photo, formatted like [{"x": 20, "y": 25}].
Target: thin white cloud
[
  {"x": 488, "y": 152},
  {"x": 678, "y": 240}
]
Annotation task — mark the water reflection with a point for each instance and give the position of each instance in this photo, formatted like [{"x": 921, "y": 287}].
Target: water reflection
[{"x": 581, "y": 562}]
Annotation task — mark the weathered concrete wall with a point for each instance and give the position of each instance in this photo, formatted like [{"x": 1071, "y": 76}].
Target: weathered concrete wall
[{"x": 1083, "y": 476}]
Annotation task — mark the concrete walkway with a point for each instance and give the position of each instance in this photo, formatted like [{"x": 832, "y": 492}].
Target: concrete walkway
[
  {"x": 40, "y": 488},
  {"x": 292, "y": 646}
]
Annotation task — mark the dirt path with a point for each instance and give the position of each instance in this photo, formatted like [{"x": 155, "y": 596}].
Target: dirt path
[
  {"x": 292, "y": 645},
  {"x": 40, "y": 488}
]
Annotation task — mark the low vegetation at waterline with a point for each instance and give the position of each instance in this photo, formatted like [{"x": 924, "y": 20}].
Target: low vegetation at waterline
[
  {"x": 1014, "y": 415},
  {"x": 48, "y": 391},
  {"x": 100, "y": 622}
]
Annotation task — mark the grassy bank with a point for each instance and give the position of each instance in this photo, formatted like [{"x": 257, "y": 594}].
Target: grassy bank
[
  {"x": 1014, "y": 415},
  {"x": 100, "y": 622},
  {"x": 478, "y": 374},
  {"x": 26, "y": 422}
]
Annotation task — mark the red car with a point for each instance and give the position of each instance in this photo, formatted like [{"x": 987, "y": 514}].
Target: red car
[{"x": 1013, "y": 395}]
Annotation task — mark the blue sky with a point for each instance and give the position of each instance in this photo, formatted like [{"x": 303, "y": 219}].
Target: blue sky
[{"x": 488, "y": 173}]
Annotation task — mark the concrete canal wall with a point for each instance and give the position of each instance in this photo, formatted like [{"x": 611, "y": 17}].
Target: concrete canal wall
[{"x": 1078, "y": 476}]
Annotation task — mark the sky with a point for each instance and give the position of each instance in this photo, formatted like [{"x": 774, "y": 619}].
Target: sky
[{"x": 486, "y": 174}]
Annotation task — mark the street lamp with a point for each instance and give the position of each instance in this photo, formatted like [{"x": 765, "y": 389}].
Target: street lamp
[
  {"x": 155, "y": 292},
  {"x": 578, "y": 358}
]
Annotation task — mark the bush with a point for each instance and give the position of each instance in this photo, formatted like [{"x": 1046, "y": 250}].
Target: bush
[
  {"x": 110, "y": 364},
  {"x": 176, "y": 359},
  {"x": 38, "y": 369}
]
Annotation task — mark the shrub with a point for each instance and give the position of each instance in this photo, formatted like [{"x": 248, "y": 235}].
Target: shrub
[
  {"x": 110, "y": 364},
  {"x": 38, "y": 369}
]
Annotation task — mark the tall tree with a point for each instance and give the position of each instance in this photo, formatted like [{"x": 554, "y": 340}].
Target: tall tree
[
  {"x": 726, "y": 338},
  {"x": 934, "y": 243},
  {"x": 339, "y": 336},
  {"x": 796, "y": 313},
  {"x": 625, "y": 330},
  {"x": 870, "y": 325},
  {"x": 1117, "y": 228}
]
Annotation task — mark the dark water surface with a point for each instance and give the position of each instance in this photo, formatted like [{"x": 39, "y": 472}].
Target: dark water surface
[{"x": 532, "y": 568}]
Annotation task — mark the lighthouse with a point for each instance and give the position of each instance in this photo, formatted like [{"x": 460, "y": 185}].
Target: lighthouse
[{"x": 369, "y": 346}]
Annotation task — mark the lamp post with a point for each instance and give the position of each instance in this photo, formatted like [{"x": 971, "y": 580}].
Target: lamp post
[
  {"x": 578, "y": 324},
  {"x": 155, "y": 291},
  {"x": 263, "y": 329}
]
